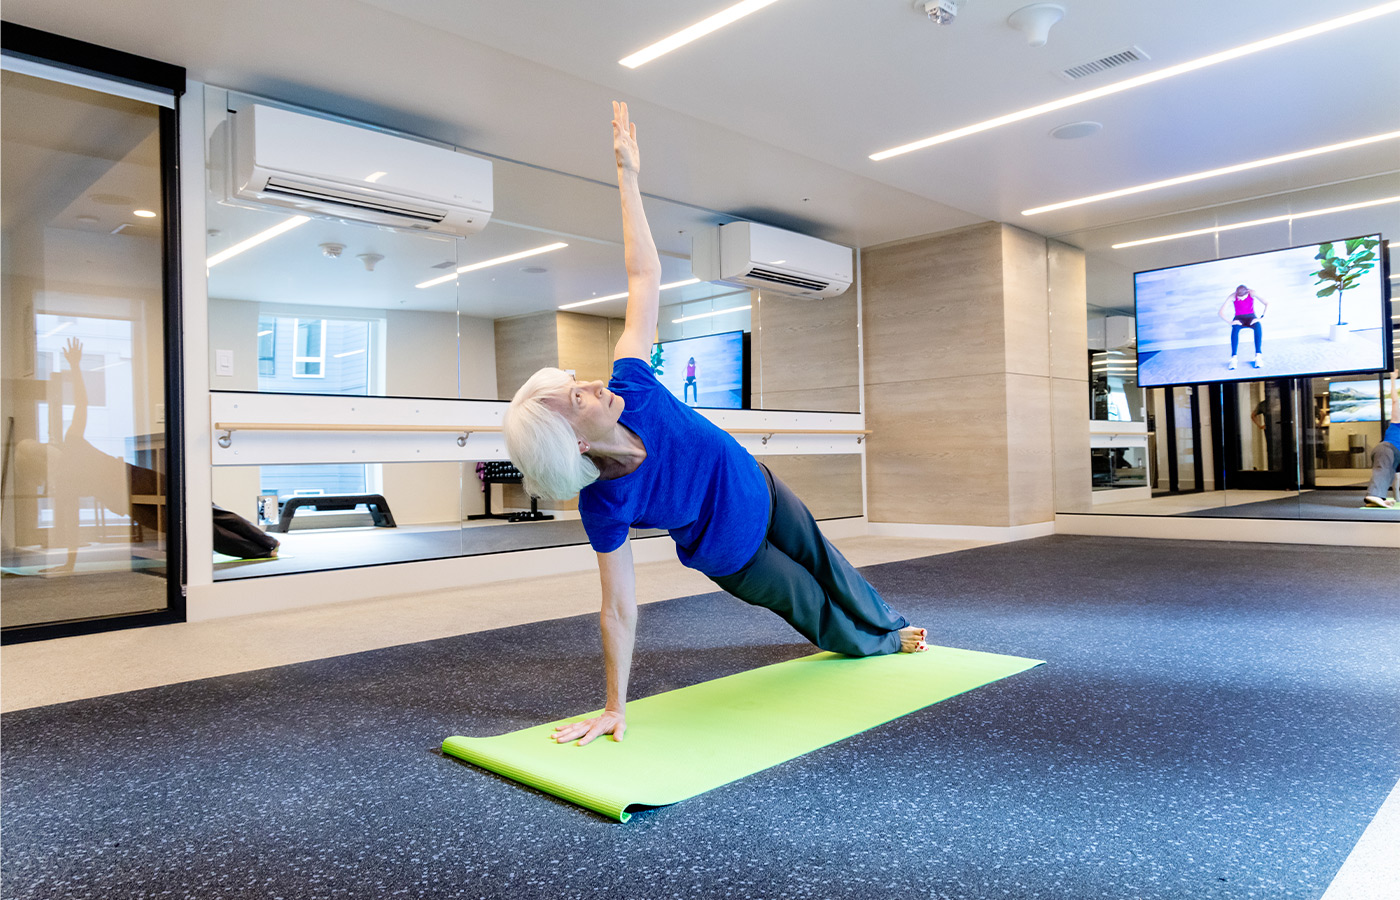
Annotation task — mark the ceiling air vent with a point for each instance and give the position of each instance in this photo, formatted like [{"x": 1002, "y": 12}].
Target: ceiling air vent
[{"x": 1103, "y": 64}]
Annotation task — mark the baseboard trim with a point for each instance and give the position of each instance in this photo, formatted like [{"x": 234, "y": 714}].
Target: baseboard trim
[
  {"x": 991, "y": 534},
  {"x": 1204, "y": 528}
]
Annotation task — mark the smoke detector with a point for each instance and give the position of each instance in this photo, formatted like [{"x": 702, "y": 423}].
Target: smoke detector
[
  {"x": 940, "y": 12},
  {"x": 1034, "y": 21},
  {"x": 332, "y": 250}
]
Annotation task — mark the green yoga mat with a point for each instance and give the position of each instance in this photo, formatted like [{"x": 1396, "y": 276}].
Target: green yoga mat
[{"x": 688, "y": 741}]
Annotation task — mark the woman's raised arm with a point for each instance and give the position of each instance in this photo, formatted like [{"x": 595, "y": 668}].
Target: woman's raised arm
[{"x": 643, "y": 262}]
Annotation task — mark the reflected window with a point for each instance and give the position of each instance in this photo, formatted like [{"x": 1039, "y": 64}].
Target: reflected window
[
  {"x": 314, "y": 480},
  {"x": 309, "y": 357},
  {"x": 338, "y": 353},
  {"x": 267, "y": 348}
]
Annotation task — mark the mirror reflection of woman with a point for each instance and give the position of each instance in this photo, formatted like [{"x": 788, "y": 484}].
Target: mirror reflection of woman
[
  {"x": 1385, "y": 459},
  {"x": 638, "y": 456},
  {"x": 69, "y": 469},
  {"x": 1244, "y": 309}
]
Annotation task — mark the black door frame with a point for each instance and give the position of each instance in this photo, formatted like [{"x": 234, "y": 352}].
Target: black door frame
[
  {"x": 1173, "y": 470},
  {"x": 79, "y": 56},
  {"x": 1229, "y": 471}
]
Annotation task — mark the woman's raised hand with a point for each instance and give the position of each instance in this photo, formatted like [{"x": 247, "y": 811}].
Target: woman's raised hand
[
  {"x": 625, "y": 149},
  {"x": 73, "y": 352}
]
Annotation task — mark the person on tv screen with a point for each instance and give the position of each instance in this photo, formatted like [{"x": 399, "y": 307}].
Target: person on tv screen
[
  {"x": 636, "y": 455},
  {"x": 1244, "y": 309},
  {"x": 690, "y": 381},
  {"x": 1385, "y": 459}
]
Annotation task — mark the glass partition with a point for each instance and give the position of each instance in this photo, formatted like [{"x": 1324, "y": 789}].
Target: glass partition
[{"x": 86, "y": 518}]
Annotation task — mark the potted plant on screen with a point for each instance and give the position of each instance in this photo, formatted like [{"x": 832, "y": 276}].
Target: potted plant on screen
[{"x": 1339, "y": 273}]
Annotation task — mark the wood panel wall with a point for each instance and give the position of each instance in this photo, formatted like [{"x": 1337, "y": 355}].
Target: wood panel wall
[
  {"x": 966, "y": 383},
  {"x": 805, "y": 353}
]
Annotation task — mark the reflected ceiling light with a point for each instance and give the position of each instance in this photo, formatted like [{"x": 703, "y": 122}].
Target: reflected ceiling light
[
  {"x": 279, "y": 228},
  {"x": 57, "y": 328},
  {"x": 348, "y": 353},
  {"x": 372, "y": 178},
  {"x": 718, "y": 312},
  {"x": 1227, "y": 170},
  {"x": 1151, "y": 77},
  {"x": 1284, "y": 218},
  {"x": 664, "y": 287},
  {"x": 143, "y": 213},
  {"x": 485, "y": 264},
  {"x": 698, "y": 30},
  {"x": 265, "y": 333}
]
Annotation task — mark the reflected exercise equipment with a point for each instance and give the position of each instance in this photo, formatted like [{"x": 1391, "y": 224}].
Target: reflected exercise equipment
[
  {"x": 505, "y": 473},
  {"x": 376, "y": 504}
]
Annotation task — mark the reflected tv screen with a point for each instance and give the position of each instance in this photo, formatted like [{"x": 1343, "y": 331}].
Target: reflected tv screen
[
  {"x": 1357, "y": 401},
  {"x": 1319, "y": 309},
  {"x": 709, "y": 371}
]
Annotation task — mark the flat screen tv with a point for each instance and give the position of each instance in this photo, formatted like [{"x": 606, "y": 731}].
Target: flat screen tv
[
  {"x": 1318, "y": 309},
  {"x": 710, "y": 371}
]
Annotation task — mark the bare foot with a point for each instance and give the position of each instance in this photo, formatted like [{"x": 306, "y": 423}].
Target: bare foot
[{"x": 911, "y": 640}]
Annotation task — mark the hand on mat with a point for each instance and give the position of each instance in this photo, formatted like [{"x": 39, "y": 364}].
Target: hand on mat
[{"x": 614, "y": 723}]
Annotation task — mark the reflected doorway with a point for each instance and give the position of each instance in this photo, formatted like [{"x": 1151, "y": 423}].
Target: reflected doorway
[
  {"x": 1259, "y": 427},
  {"x": 1180, "y": 421}
]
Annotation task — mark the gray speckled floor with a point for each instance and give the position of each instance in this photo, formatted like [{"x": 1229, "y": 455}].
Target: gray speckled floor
[{"x": 1215, "y": 721}]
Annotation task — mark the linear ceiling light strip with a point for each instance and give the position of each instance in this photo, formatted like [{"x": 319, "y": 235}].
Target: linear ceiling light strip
[
  {"x": 718, "y": 312},
  {"x": 260, "y": 237},
  {"x": 472, "y": 267},
  {"x": 1200, "y": 176},
  {"x": 1284, "y": 218},
  {"x": 698, "y": 30},
  {"x": 1151, "y": 77},
  {"x": 619, "y": 296}
]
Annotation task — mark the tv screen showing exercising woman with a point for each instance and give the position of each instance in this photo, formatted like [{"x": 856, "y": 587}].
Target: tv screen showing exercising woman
[{"x": 1318, "y": 309}]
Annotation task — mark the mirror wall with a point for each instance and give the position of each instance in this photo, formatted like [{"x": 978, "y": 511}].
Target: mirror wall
[
  {"x": 330, "y": 307},
  {"x": 1258, "y": 447}
]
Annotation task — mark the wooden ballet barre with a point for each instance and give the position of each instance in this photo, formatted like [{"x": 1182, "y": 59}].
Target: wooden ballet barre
[
  {"x": 225, "y": 439},
  {"x": 769, "y": 432},
  {"x": 228, "y": 428}
]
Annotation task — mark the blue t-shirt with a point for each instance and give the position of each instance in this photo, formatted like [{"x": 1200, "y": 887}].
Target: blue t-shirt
[
  {"x": 1392, "y": 434},
  {"x": 696, "y": 481}
]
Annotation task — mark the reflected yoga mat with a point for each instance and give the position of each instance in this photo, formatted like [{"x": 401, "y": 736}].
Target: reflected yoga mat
[{"x": 688, "y": 741}]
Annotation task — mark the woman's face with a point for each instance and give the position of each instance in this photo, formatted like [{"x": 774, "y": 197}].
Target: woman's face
[{"x": 591, "y": 408}]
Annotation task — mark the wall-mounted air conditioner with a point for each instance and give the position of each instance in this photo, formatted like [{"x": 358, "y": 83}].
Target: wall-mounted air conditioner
[
  {"x": 328, "y": 168},
  {"x": 746, "y": 254}
]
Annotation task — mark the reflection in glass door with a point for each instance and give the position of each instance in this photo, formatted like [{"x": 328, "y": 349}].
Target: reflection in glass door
[
  {"x": 1261, "y": 452},
  {"x": 1183, "y": 433},
  {"x": 86, "y": 486}
]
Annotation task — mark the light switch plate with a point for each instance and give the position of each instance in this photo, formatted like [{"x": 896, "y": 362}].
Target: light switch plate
[{"x": 223, "y": 363}]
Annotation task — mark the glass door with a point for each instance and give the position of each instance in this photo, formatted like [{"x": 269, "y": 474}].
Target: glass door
[{"x": 89, "y": 509}]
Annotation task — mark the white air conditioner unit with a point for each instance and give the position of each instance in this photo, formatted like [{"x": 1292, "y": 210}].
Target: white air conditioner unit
[
  {"x": 328, "y": 168},
  {"x": 746, "y": 254}
]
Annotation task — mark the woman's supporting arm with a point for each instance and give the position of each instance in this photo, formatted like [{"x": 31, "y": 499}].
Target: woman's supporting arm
[
  {"x": 618, "y": 621},
  {"x": 643, "y": 262}
]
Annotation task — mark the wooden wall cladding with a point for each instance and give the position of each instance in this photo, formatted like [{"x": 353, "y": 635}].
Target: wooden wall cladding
[
  {"x": 828, "y": 483},
  {"x": 524, "y": 345},
  {"x": 805, "y": 353}
]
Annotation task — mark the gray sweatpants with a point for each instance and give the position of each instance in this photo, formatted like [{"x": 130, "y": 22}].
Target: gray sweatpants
[
  {"x": 801, "y": 577},
  {"x": 1385, "y": 461}
]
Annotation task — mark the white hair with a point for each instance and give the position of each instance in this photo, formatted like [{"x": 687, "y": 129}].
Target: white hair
[{"x": 541, "y": 442}]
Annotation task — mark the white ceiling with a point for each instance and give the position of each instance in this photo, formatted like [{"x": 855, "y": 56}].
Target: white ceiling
[{"x": 774, "y": 118}]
